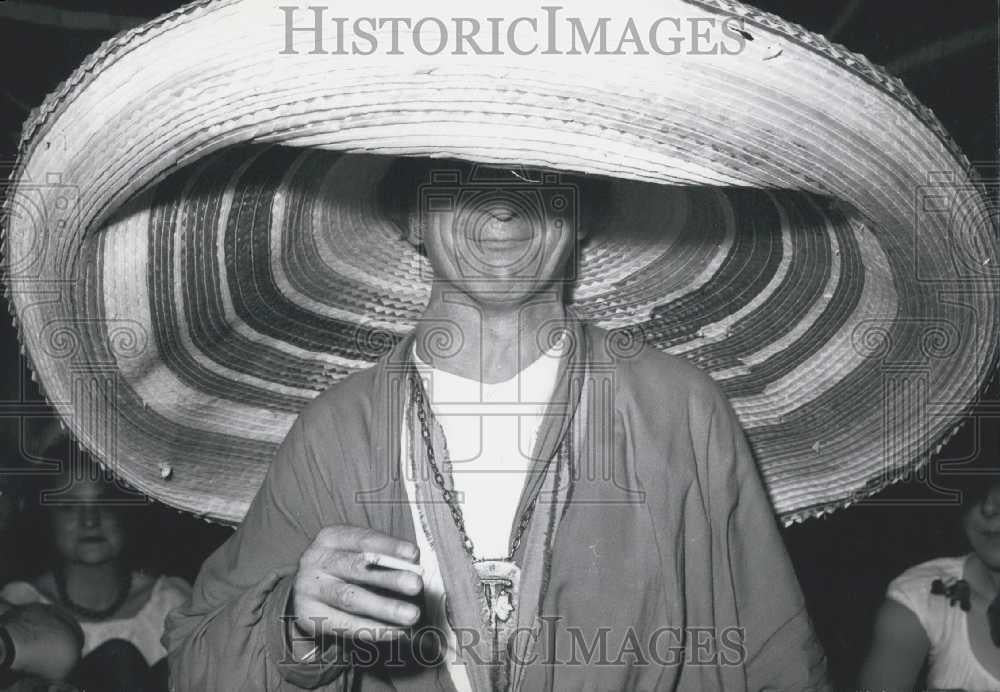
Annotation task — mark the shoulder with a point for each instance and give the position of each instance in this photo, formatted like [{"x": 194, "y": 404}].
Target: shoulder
[
  {"x": 328, "y": 436},
  {"x": 912, "y": 589},
  {"x": 174, "y": 586},
  {"x": 345, "y": 405},
  {"x": 21, "y": 593},
  {"x": 649, "y": 369},
  {"x": 654, "y": 377},
  {"x": 143, "y": 584},
  {"x": 922, "y": 575},
  {"x": 171, "y": 592},
  {"x": 350, "y": 397}
]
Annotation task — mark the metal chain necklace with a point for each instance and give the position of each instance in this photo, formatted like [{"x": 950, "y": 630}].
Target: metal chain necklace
[
  {"x": 500, "y": 579},
  {"x": 449, "y": 497}
]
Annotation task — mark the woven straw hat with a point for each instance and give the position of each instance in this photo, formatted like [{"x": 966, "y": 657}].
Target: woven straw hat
[{"x": 195, "y": 247}]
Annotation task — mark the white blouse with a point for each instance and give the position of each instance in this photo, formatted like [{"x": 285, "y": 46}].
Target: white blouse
[
  {"x": 952, "y": 663},
  {"x": 144, "y": 629}
]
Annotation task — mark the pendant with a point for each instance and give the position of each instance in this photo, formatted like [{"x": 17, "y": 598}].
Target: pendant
[
  {"x": 503, "y": 606},
  {"x": 500, "y": 580}
]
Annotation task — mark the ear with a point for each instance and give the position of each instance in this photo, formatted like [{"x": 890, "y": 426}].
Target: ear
[
  {"x": 415, "y": 229},
  {"x": 594, "y": 213},
  {"x": 594, "y": 205}
]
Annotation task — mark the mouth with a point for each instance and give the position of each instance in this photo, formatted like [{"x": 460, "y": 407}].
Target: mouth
[
  {"x": 92, "y": 539},
  {"x": 502, "y": 226},
  {"x": 502, "y": 234},
  {"x": 503, "y": 215},
  {"x": 499, "y": 242}
]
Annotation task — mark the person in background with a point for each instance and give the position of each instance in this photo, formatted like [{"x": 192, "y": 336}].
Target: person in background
[
  {"x": 39, "y": 644},
  {"x": 945, "y": 613},
  {"x": 120, "y": 611}
]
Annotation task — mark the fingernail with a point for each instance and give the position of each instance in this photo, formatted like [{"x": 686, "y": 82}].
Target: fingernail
[
  {"x": 408, "y": 613},
  {"x": 412, "y": 583},
  {"x": 410, "y": 552}
]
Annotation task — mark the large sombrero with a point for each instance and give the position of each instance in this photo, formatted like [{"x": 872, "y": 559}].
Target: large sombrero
[{"x": 195, "y": 247}]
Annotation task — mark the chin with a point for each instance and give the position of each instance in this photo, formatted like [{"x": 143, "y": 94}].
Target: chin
[
  {"x": 501, "y": 291},
  {"x": 514, "y": 284},
  {"x": 95, "y": 555},
  {"x": 989, "y": 552}
]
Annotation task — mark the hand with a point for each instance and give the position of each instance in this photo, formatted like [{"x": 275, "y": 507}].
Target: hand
[
  {"x": 47, "y": 640},
  {"x": 336, "y": 590}
]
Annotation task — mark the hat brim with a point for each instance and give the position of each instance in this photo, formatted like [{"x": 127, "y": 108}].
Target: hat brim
[{"x": 781, "y": 240}]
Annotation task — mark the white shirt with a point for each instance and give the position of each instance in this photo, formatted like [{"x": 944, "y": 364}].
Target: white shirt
[
  {"x": 953, "y": 665},
  {"x": 144, "y": 629},
  {"x": 490, "y": 431}
]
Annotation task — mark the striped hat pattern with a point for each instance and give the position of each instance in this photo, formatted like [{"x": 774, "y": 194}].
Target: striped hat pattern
[{"x": 193, "y": 266}]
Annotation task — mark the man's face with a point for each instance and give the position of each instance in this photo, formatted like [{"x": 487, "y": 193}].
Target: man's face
[{"x": 502, "y": 237}]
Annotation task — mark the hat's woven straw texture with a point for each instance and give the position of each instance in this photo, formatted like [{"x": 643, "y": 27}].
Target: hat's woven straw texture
[{"x": 788, "y": 218}]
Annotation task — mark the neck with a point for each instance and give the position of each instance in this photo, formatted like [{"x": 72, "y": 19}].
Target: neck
[
  {"x": 993, "y": 577},
  {"x": 489, "y": 343},
  {"x": 93, "y": 586},
  {"x": 983, "y": 579}
]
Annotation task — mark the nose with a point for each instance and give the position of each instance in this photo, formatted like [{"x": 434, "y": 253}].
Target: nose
[
  {"x": 991, "y": 503},
  {"x": 89, "y": 516}
]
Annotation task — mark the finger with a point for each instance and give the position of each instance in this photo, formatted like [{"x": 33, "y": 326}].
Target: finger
[
  {"x": 330, "y": 621},
  {"x": 357, "y": 539},
  {"x": 390, "y": 562},
  {"x": 356, "y": 568},
  {"x": 357, "y": 600}
]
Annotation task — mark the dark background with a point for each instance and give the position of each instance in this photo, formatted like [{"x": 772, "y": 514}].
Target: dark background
[{"x": 946, "y": 53}]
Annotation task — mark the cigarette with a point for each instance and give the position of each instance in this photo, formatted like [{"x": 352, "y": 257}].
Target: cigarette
[
  {"x": 308, "y": 658},
  {"x": 390, "y": 562}
]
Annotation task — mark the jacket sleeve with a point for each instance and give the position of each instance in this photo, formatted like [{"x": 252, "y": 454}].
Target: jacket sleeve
[
  {"x": 755, "y": 579},
  {"x": 231, "y": 634}
]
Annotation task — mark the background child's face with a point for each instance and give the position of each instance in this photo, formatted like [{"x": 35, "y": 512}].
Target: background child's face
[
  {"x": 981, "y": 522},
  {"x": 86, "y": 529}
]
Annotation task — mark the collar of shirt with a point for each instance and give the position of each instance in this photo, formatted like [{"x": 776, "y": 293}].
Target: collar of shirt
[{"x": 530, "y": 388}]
